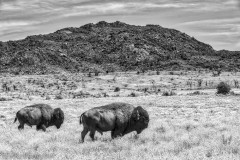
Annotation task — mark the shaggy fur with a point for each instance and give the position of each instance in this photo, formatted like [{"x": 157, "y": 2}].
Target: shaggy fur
[
  {"x": 119, "y": 118},
  {"x": 41, "y": 115}
]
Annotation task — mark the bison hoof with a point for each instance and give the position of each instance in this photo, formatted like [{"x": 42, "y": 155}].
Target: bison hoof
[
  {"x": 136, "y": 136},
  {"x": 80, "y": 141}
]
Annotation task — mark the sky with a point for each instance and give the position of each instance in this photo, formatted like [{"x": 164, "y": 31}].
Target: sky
[{"x": 215, "y": 22}]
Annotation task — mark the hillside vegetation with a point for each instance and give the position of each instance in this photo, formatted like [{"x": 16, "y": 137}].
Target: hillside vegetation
[{"x": 110, "y": 47}]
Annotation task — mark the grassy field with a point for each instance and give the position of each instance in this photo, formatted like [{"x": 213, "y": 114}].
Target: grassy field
[{"x": 185, "y": 125}]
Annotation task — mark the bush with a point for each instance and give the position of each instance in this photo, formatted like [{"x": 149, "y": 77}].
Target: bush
[
  {"x": 223, "y": 88},
  {"x": 58, "y": 97},
  {"x": 105, "y": 94},
  {"x": 48, "y": 97},
  {"x": 197, "y": 93},
  {"x": 117, "y": 89},
  {"x": 4, "y": 99},
  {"x": 145, "y": 90},
  {"x": 171, "y": 73},
  {"x": 133, "y": 95},
  {"x": 168, "y": 93},
  {"x": 199, "y": 82},
  {"x": 89, "y": 74},
  {"x": 96, "y": 73}
]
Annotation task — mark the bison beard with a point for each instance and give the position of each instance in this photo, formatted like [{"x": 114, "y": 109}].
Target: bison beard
[
  {"x": 41, "y": 115},
  {"x": 119, "y": 118}
]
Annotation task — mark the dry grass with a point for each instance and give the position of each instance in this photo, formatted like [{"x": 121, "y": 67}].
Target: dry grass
[
  {"x": 82, "y": 86},
  {"x": 203, "y": 126}
]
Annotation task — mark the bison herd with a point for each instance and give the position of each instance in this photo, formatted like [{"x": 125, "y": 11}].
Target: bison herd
[{"x": 119, "y": 118}]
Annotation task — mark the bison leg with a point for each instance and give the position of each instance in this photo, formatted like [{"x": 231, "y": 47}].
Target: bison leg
[
  {"x": 92, "y": 133},
  {"x": 112, "y": 135},
  {"x": 21, "y": 126},
  {"x": 119, "y": 128},
  {"x": 38, "y": 127},
  {"x": 83, "y": 134},
  {"x": 116, "y": 133},
  {"x": 41, "y": 126}
]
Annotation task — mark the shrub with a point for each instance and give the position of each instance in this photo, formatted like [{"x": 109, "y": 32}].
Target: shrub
[
  {"x": 114, "y": 78},
  {"x": 145, "y": 90},
  {"x": 232, "y": 93},
  {"x": 117, "y": 89},
  {"x": 3, "y": 99},
  {"x": 89, "y": 74},
  {"x": 216, "y": 73},
  {"x": 223, "y": 88},
  {"x": 48, "y": 97},
  {"x": 236, "y": 84},
  {"x": 171, "y": 73},
  {"x": 168, "y": 93},
  {"x": 105, "y": 94},
  {"x": 197, "y": 93},
  {"x": 133, "y": 94},
  {"x": 199, "y": 82},
  {"x": 96, "y": 73},
  {"x": 160, "y": 129},
  {"x": 58, "y": 97}
]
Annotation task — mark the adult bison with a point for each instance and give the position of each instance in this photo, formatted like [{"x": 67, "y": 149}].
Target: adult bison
[
  {"x": 41, "y": 115},
  {"x": 119, "y": 118}
]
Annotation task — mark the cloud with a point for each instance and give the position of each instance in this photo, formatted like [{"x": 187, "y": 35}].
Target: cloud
[
  {"x": 12, "y": 24},
  {"x": 218, "y": 17},
  {"x": 215, "y": 26},
  {"x": 15, "y": 27},
  {"x": 238, "y": 44},
  {"x": 214, "y": 6},
  {"x": 214, "y": 21},
  {"x": 52, "y": 9},
  {"x": 220, "y": 32},
  {"x": 96, "y": 9},
  {"x": 48, "y": 10}
]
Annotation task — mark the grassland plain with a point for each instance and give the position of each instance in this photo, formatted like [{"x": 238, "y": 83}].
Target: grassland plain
[{"x": 183, "y": 126}]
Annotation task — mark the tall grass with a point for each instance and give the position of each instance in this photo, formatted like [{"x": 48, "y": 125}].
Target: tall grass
[{"x": 181, "y": 127}]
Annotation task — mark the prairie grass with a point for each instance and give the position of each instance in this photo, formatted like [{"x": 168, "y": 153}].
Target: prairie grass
[{"x": 182, "y": 126}]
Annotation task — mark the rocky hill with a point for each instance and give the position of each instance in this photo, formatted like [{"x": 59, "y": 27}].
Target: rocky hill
[{"x": 112, "y": 47}]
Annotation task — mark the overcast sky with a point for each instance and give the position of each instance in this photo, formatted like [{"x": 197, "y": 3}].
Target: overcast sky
[{"x": 216, "y": 22}]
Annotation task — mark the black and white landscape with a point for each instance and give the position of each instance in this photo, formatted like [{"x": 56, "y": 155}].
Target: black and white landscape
[{"x": 179, "y": 60}]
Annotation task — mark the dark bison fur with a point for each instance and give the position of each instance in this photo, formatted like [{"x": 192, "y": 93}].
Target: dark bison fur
[
  {"x": 119, "y": 118},
  {"x": 41, "y": 115}
]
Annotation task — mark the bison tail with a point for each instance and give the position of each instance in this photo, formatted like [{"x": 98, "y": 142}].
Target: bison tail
[
  {"x": 15, "y": 119},
  {"x": 80, "y": 119}
]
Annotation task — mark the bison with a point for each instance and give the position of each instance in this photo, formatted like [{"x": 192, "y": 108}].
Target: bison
[
  {"x": 119, "y": 118},
  {"x": 41, "y": 115}
]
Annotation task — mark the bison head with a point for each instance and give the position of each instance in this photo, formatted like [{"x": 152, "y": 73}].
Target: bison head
[
  {"x": 141, "y": 119},
  {"x": 58, "y": 117}
]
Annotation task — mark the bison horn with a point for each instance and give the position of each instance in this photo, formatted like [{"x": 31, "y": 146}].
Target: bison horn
[{"x": 138, "y": 115}]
